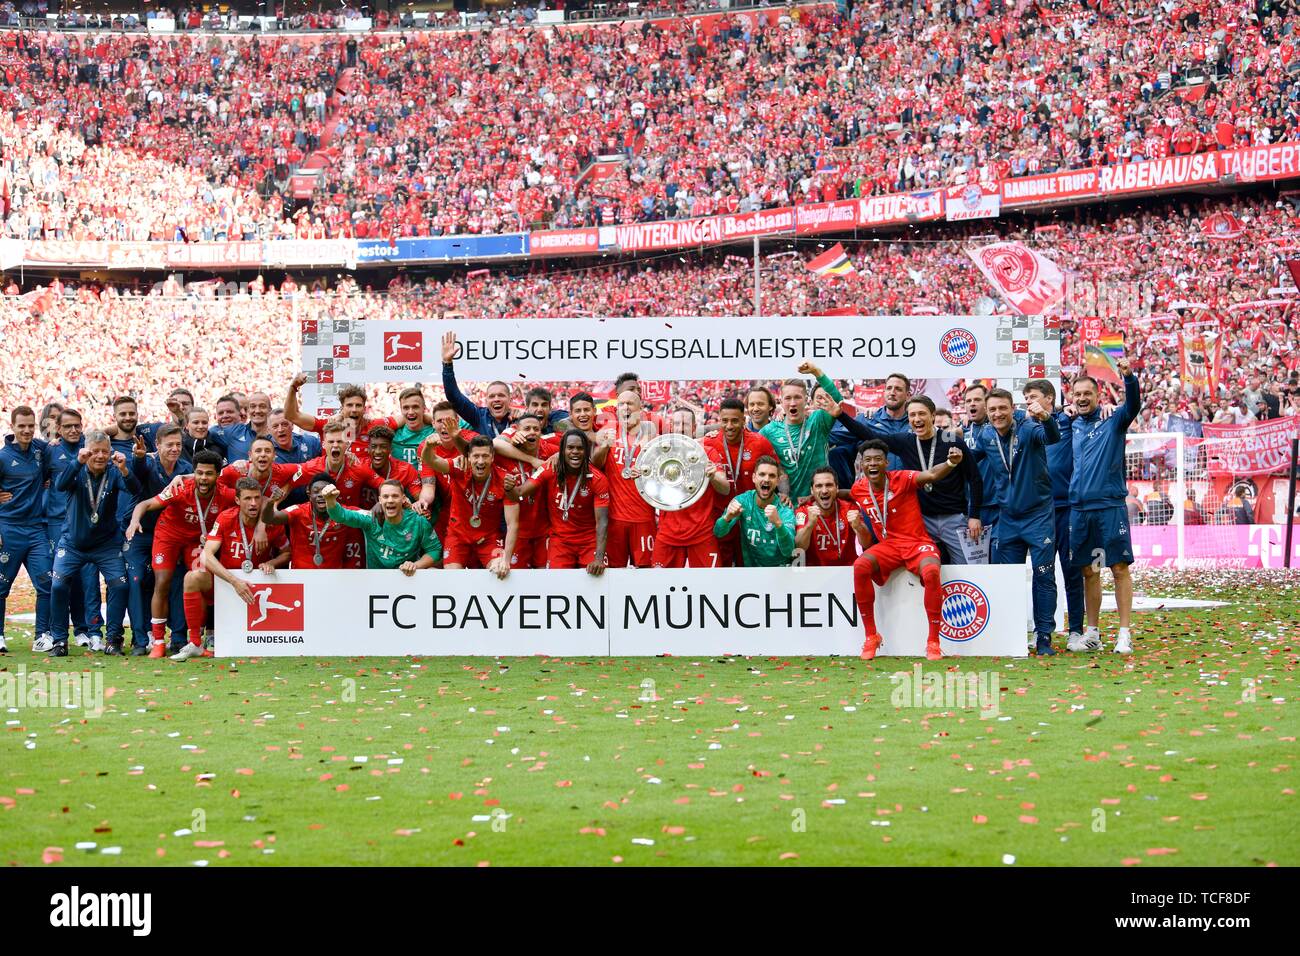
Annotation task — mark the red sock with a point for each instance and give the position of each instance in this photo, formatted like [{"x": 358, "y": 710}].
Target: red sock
[
  {"x": 196, "y": 610},
  {"x": 158, "y": 628},
  {"x": 864, "y": 591},
  {"x": 933, "y": 599}
]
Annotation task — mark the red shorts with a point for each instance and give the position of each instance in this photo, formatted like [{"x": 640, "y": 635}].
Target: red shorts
[
  {"x": 167, "y": 552},
  {"x": 354, "y": 548},
  {"x": 634, "y": 540},
  {"x": 472, "y": 554},
  {"x": 529, "y": 553},
  {"x": 701, "y": 554},
  {"x": 891, "y": 555},
  {"x": 570, "y": 553}
]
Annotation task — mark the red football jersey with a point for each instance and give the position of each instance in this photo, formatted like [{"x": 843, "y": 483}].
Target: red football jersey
[
  {"x": 184, "y": 517},
  {"x": 690, "y": 525},
  {"x": 833, "y": 541},
  {"x": 626, "y": 501},
  {"x": 593, "y": 494},
  {"x": 534, "y": 516},
  {"x": 737, "y": 461},
  {"x": 233, "y": 553},
  {"x": 358, "y": 446},
  {"x": 281, "y": 476},
  {"x": 304, "y": 529},
  {"x": 903, "y": 518},
  {"x": 349, "y": 479},
  {"x": 464, "y": 490},
  {"x": 408, "y": 475}
]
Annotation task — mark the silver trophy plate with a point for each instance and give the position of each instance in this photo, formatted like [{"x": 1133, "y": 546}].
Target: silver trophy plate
[{"x": 672, "y": 472}]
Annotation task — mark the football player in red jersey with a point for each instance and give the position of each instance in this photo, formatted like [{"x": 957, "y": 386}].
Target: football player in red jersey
[
  {"x": 352, "y": 409},
  {"x": 582, "y": 415},
  {"x": 348, "y": 475},
  {"x": 229, "y": 547},
  {"x": 685, "y": 537},
  {"x": 447, "y": 442},
  {"x": 379, "y": 442},
  {"x": 524, "y": 442},
  {"x": 888, "y": 500},
  {"x": 190, "y": 507},
  {"x": 738, "y": 449},
  {"x": 315, "y": 540},
  {"x": 577, "y": 496},
  {"x": 631, "y": 519},
  {"x": 478, "y": 508},
  {"x": 262, "y": 466},
  {"x": 827, "y": 529}
]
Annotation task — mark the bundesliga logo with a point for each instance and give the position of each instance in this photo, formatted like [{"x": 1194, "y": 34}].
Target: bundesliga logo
[
  {"x": 403, "y": 348},
  {"x": 958, "y": 347},
  {"x": 965, "y": 611},
  {"x": 276, "y": 607}
]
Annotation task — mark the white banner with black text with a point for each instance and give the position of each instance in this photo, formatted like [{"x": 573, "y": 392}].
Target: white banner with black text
[{"x": 623, "y": 613}]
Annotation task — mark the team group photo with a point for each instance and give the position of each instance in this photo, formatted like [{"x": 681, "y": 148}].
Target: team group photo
[{"x": 697, "y": 433}]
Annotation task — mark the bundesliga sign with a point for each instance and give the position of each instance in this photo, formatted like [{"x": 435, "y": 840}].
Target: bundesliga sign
[
  {"x": 625, "y": 612},
  {"x": 673, "y": 349}
]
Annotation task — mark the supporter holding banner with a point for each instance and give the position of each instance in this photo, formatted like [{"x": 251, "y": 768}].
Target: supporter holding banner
[
  {"x": 973, "y": 201},
  {"x": 1261, "y": 448},
  {"x": 1200, "y": 354}
]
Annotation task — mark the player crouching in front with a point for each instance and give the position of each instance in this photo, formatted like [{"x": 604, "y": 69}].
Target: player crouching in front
[
  {"x": 233, "y": 543},
  {"x": 396, "y": 535},
  {"x": 887, "y": 499}
]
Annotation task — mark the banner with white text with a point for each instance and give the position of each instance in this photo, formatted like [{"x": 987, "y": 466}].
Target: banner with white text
[{"x": 627, "y": 612}]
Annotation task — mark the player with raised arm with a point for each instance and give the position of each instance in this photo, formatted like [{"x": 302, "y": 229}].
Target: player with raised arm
[
  {"x": 828, "y": 529},
  {"x": 800, "y": 437},
  {"x": 349, "y": 475},
  {"x": 1099, "y": 530},
  {"x": 766, "y": 524},
  {"x": 1027, "y": 519},
  {"x": 577, "y": 496},
  {"x": 685, "y": 537},
  {"x": 91, "y": 535},
  {"x": 315, "y": 539},
  {"x": 230, "y": 547},
  {"x": 490, "y": 419},
  {"x": 352, "y": 411},
  {"x": 190, "y": 507},
  {"x": 396, "y": 536},
  {"x": 479, "y": 509},
  {"x": 888, "y": 501}
]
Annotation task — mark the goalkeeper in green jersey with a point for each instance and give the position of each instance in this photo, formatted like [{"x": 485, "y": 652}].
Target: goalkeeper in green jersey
[
  {"x": 800, "y": 436},
  {"x": 396, "y": 537},
  {"x": 766, "y": 525}
]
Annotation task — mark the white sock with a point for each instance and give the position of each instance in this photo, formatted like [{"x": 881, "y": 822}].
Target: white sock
[
  {"x": 1124, "y": 634},
  {"x": 1091, "y": 631}
]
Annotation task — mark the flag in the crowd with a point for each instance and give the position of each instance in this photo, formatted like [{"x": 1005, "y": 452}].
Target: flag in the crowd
[
  {"x": 1200, "y": 360},
  {"x": 1102, "y": 346},
  {"x": 1293, "y": 266},
  {"x": 656, "y": 393},
  {"x": 1222, "y": 225},
  {"x": 839, "y": 310},
  {"x": 833, "y": 262},
  {"x": 1029, "y": 281}
]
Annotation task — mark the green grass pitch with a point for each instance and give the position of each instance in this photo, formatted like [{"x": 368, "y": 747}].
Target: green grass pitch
[{"x": 1182, "y": 755}]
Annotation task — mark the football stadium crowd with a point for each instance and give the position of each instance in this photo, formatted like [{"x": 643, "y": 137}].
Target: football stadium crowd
[{"x": 481, "y": 131}]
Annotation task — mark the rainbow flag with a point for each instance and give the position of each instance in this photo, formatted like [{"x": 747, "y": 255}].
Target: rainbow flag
[
  {"x": 1102, "y": 348},
  {"x": 833, "y": 262}
]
